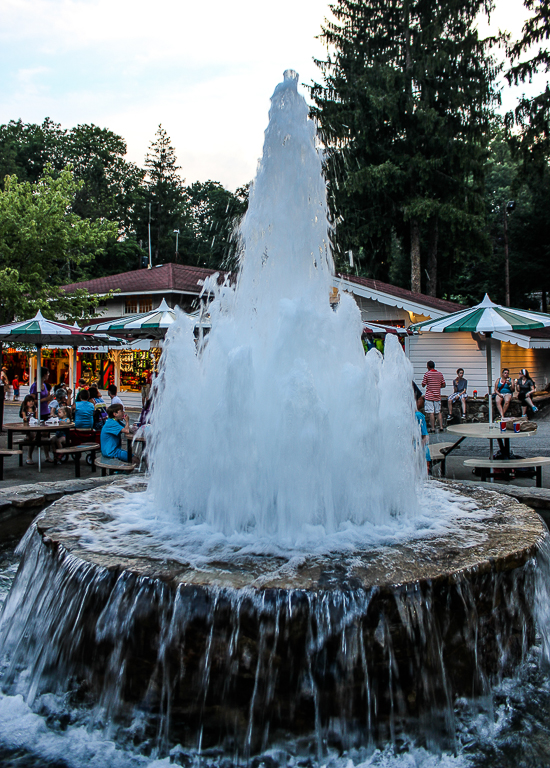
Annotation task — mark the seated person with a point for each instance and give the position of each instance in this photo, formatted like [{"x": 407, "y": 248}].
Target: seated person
[
  {"x": 114, "y": 427},
  {"x": 115, "y": 399},
  {"x": 26, "y": 412},
  {"x": 61, "y": 436},
  {"x": 62, "y": 399},
  {"x": 100, "y": 408},
  {"x": 503, "y": 392},
  {"x": 525, "y": 386},
  {"x": 460, "y": 385},
  {"x": 84, "y": 411}
]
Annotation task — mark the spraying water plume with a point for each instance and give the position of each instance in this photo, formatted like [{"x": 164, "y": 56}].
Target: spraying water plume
[{"x": 282, "y": 427}]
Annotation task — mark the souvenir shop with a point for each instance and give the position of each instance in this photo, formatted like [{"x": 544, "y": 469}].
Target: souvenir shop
[{"x": 136, "y": 365}]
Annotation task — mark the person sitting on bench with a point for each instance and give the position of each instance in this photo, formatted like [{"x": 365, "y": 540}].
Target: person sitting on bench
[
  {"x": 111, "y": 434},
  {"x": 503, "y": 392}
]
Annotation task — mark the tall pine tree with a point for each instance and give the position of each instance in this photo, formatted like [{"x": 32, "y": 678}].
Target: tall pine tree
[
  {"x": 165, "y": 195},
  {"x": 404, "y": 114}
]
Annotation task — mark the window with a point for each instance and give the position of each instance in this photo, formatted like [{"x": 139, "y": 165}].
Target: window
[{"x": 138, "y": 304}]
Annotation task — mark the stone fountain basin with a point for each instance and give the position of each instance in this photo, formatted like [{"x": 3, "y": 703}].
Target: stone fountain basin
[{"x": 239, "y": 652}]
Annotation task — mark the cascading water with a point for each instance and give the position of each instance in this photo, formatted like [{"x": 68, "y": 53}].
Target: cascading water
[{"x": 287, "y": 584}]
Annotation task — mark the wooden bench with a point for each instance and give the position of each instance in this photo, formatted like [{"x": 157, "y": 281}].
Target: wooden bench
[
  {"x": 488, "y": 465},
  {"x": 77, "y": 451},
  {"x": 438, "y": 454},
  {"x": 9, "y": 452},
  {"x": 107, "y": 464}
]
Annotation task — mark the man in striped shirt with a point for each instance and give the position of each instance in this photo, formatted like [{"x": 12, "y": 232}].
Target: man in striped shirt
[{"x": 434, "y": 382}]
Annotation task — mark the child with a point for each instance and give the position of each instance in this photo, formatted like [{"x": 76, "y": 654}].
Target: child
[
  {"x": 60, "y": 437},
  {"x": 26, "y": 412},
  {"x": 15, "y": 385},
  {"x": 115, "y": 426},
  {"x": 421, "y": 419}
]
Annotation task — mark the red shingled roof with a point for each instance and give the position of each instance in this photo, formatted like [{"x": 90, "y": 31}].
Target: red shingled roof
[
  {"x": 173, "y": 278},
  {"x": 179, "y": 278},
  {"x": 403, "y": 293}
]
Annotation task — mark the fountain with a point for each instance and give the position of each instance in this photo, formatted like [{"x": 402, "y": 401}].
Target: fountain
[{"x": 286, "y": 572}]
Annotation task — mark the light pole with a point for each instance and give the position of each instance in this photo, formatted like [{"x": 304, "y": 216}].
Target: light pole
[
  {"x": 149, "y": 232},
  {"x": 508, "y": 208},
  {"x": 177, "y": 233}
]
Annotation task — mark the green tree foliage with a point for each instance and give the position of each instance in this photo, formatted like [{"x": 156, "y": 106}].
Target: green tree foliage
[
  {"x": 44, "y": 244},
  {"x": 214, "y": 214},
  {"x": 165, "y": 196},
  {"x": 528, "y": 56},
  {"x": 404, "y": 110}
]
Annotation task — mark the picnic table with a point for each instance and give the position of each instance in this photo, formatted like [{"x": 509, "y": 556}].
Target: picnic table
[
  {"x": 40, "y": 430},
  {"x": 506, "y": 462}
]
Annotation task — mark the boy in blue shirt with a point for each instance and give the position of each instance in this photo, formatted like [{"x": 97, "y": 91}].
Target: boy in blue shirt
[{"x": 111, "y": 434}]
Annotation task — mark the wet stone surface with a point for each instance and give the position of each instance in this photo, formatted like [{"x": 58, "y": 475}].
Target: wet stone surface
[{"x": 502, "y": 539}]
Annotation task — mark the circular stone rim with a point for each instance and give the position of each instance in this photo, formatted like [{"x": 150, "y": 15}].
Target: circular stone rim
[{"x": 506, "y": 538}]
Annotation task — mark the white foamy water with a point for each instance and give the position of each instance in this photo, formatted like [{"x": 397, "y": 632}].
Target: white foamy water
[{"x": 281, "y": 425}]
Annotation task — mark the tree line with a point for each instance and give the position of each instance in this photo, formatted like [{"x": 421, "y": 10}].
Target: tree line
[
  {"x": 72, "y": 207},
  {"x": 429, "y": 185}
]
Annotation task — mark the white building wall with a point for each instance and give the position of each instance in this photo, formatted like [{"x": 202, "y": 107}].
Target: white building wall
[
  {"x": 450, "y": 351},
  {"x": 537, "y": 362}
]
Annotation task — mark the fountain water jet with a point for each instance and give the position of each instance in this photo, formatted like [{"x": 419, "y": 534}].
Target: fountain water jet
[{"x": 286, "y": 571}]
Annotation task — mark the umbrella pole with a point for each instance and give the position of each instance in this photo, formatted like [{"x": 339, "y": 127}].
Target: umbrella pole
[
  {"x": 489, "y": 356},
  {"x": 38, "y": 393},
  {"x": 75, "y": 350}
]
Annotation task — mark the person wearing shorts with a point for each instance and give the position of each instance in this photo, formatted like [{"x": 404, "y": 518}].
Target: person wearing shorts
[
  {"x": 434, "y": 382},
  {"x": 460, "y": 385}
]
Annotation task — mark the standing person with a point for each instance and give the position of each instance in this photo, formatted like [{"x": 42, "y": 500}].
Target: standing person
[
  {"x": 115, "y": 426},
  {"x": 15, "y": 385},
  {"x": 421, "y": 419},
  {"x": 503, "y": 392},
  {"x": 45, "y": 396},
  {"x": 460, "y": 385},
  {"x": 434, "y": 382},
  {"x": 115, "y": 399},
  {"x": 525, "y": 386},
  {"x": 5, "y": 381}
]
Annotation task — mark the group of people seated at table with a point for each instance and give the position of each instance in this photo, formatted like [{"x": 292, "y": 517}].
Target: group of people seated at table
[{"x": 88, "y": 412}]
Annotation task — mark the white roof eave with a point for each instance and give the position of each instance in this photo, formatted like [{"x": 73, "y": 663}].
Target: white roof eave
[
  {"x": 526, "y": 342},
  {"x": 386, "y": 298}
]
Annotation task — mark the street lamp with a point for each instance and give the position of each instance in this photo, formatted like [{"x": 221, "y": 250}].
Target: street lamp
[
  {"x": 177, "y": 233},
  {"x": 508, "y": 208}
]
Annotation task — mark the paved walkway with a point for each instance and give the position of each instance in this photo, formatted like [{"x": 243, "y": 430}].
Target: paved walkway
[{"x": 538, "y": 445}]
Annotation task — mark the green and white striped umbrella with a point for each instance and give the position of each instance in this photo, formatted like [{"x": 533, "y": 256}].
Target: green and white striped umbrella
[
  {"x": 152, "y": 324},
  {"x": 486, "y": 318},
  {"x": 148, "y": 325}
]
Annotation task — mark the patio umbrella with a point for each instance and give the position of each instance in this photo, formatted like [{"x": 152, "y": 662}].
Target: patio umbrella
[
  {"x": 152, "y": 325},
  {"x": 486, "y": 318},
  {"x": 381, "y": 328},
  {"x": 40, "y": 331}
]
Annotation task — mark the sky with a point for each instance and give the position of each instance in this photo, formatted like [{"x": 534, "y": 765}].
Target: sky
[{"x": 204, "y": 69}]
